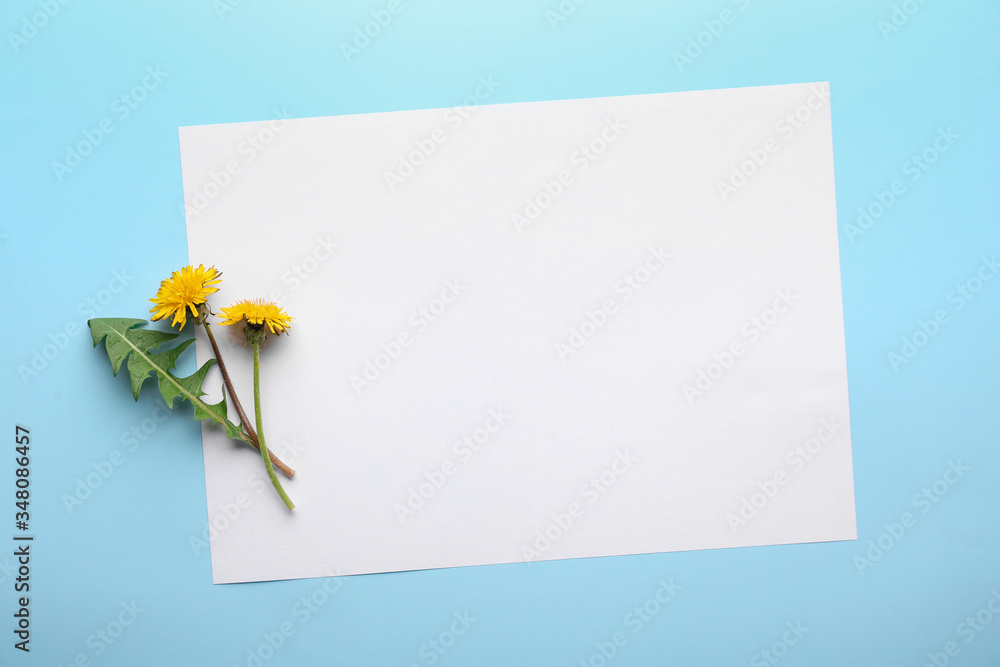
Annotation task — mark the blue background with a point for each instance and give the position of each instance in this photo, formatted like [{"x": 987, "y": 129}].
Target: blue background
[{"x": 61, "y": 239}]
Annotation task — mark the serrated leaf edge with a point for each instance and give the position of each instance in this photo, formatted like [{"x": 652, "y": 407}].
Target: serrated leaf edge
[{"x": 196, "y": 401}]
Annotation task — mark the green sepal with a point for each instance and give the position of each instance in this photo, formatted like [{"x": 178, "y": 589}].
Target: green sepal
[{"x": 123, "y": 340}]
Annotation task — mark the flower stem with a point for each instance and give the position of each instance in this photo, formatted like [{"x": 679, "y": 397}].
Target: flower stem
[
  {"x": 260, "y": 427},
  {"x": 244, "y": 421}
]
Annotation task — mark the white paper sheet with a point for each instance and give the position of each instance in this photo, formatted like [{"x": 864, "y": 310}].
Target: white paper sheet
[{"x": 529, "y": 331}]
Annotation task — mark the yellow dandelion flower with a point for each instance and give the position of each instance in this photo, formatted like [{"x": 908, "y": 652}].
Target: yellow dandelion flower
[
  {"x": 187, "y": 288},
  {"x": 257, "y": 314}
]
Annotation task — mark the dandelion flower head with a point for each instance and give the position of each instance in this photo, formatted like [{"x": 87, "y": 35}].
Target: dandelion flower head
[{"x": 185, "y": 289}]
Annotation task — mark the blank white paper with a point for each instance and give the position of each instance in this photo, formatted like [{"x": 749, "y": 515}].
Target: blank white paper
[{"x": 529, "y": 331}]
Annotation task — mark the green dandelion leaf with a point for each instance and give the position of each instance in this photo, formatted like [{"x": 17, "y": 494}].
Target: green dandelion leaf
[{"x": 124, "y": 340}]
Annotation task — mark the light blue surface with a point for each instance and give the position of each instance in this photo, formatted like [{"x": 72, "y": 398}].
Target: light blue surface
[{"x": 62, "y": 241}]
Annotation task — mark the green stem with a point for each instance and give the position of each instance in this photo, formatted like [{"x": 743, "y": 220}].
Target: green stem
[
  {"x": 244, "y": 422},
  {"x": 260, "y": 428}
]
